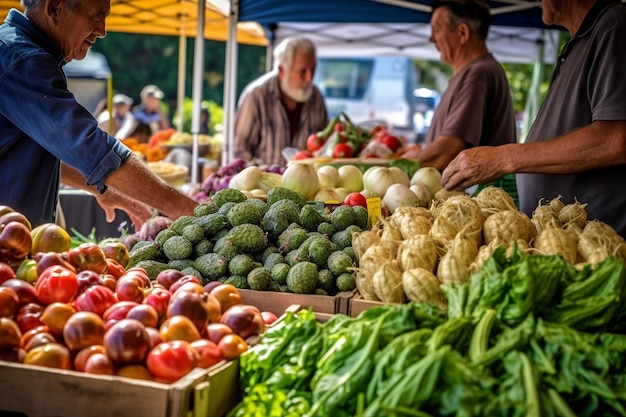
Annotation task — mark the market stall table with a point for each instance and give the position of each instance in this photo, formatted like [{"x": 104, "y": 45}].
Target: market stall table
[{"x": 83, "y": 213}]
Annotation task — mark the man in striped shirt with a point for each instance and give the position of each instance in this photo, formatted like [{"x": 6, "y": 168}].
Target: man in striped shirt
[{"x": 282, "y": 108}]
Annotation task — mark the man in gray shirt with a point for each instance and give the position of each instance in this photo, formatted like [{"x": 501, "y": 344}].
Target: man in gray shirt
[
  {"x": 476, "y": 108},
  {"x": 577, "y": 145}
]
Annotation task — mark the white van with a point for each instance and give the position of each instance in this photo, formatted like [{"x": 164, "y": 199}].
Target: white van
[{"x": 369, "y": 88}]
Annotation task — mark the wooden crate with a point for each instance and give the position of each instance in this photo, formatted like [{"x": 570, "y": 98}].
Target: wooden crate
[
  {"x": 278, "y": 302},
  {"x": 37, "y": 391},
  {"x": 358, "y": 304}
]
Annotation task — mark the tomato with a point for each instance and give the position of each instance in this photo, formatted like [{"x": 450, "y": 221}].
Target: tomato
[
  {"x": 342, "y": 150},
  {"x": 10, "y": 334},
  {"x": 135, "y": 371},
  {"x": 99, "y": 363},
  {"x": 88, "y": 257},
  {"x": 14, "y": 216},
  {"x": 27, "y": 271},
  {"x": 26, "y": 336},
  {"x": 179, "y": 328},
  {"x": 181, "y": 281},
  {"x": 81, "y": 357},
  {"x": 29, "y": 316},
  {"x": 130, "y": 288},
  {"x": 25, "y": 291},
  {"x": 52, "y": 355},
  {"x": 355, "y": 199},
  {"x": 47, "y": 259},
  {"x": 87, "y": 279},
  {"x": 116, "y": 251},
  {"x": 244, "y": 319},
  {"x": 269, "y": 317},
  {"x": 338, "y": 127},
  {"x": 9, "y": 302},
  {"x": 314, "y": 143},
  {"x": 127, "y": 342},
  {"x": 207, "y": 352},
  {"x": 170, "y": 361},
  {"x": 38, "y": 339},
  {"x": 215, "y": 331},
  {"x": 6, "y": 272},
  {"x": 115, "y": 268},
  {"x": 232, "y": 346},
  {"x": 96, "y": 298},
  {"x": 392, "y": 142},
  {"x": 56, "y": 283},
  {"x": 159, "y": 298},
  {"x": 15, "y": 241},
  {"x": 168, "y": 277},
  {"x": 83, "y": 329},
  {"x": 50, "y": 237},
  {"x": 227, "y": 295},
  {"x": 302, "y": 155},
  {"x": 55, "y": 316},
  {"x": 194, "y": 306},
  {"x": 144, "y": 313}
]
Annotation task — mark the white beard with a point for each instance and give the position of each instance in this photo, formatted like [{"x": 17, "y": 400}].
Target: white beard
[{"x": 300, "y": 94}]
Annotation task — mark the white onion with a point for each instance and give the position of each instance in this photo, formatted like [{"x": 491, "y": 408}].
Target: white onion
[
  {"x": 301, "y": 178},
  {"x": 423, "y": 193},
  {"x": 379, "y": 179},
  {"x": 327, "y": 194},
  {"x": 325, "y": 180},
  {"x": 429, "y": 176},
  {"x": 399, "y": 195},
  {"x": 247, "y": 179},
  {"x": 350, "y": 177},
  {"x": 331, "y": 174},
  {"x": 342, "y": 193}
]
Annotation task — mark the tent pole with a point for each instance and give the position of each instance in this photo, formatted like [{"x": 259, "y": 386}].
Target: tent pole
[
  {"x": 532, "y": 102},
  {"x": 182, "y": 60},
  {"x": 230, "y": 84},
  {"x": 198, "y": 66}
]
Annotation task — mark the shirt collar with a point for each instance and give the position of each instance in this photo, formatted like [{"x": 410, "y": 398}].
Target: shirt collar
[
  {"x": 593, "y": 15},
  {"x": 19, "y": 20}
]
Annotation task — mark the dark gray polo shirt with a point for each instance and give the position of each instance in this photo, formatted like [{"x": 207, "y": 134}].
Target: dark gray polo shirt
[{"x": 588, "y": 84}]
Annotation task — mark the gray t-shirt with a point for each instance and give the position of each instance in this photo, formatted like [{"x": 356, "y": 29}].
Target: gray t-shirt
[
  {"x": 477, "y": 106},
  {"x": 588, "y": 84}
]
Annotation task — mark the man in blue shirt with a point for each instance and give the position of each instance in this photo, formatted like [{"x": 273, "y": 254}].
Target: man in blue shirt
[{"x": 41, "y": 124}]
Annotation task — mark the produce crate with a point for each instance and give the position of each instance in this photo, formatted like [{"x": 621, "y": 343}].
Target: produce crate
[
  {"x": 36, "y": 391},
  {"x": 278, "y": 302},
  {"x": 358, "y": 304}
]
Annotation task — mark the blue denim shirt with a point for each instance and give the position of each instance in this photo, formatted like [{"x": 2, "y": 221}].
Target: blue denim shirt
[{"x": 41, "y": 124}]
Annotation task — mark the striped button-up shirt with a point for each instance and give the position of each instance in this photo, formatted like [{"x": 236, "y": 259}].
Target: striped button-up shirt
[{"x": 262, "y": 124}]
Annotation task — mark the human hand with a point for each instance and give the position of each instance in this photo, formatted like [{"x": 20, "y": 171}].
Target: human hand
[
  {"x": 138, "y": 212},
  {"x": 411, "y": 151},
  {"x": 473, "y": 166}
]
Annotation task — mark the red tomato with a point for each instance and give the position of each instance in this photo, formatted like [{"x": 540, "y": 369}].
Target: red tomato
[
  {"x": 342, "y": 150},
  {"x": 127, "y": 342},
  {"x": 9, "y": 302},
  {"x": 245, "y": 320},
  {"x": 29, "y": 316},
  {"x": 392, "y": 142},
  {"x": 52, "y": 355},
  {"x": 302, "y": 155},
  {"x": 338, "y": 127},
  {"x": 115, "y": 268},
  {"x": 168, "y": 277},
  {"x": 81, "y": 357},
  {"x": 207, "y": 352},
  {"x": 55, "y": 316},
  {"x": 96, "y": 298},
  {"x": 56, "y": 283},
  {"x": 83, "y": 329},
  {"x": 170, "y": 361},
  {"x": 179, "y": 328},
  {"x": 355, "y": 199},
  {"x": 88, "y": 256},
  {"x": 130, "y": 288},
  {"x": 99, "y": 363},
  {"x": 10, "y": 334},
  {"x": 314, "y": 143},
  {"x": 269, "y": 317},
  {"x": 6, "y": 272}
]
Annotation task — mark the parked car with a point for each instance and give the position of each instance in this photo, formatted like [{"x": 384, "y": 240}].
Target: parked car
[{"x": 426, "y": 101}]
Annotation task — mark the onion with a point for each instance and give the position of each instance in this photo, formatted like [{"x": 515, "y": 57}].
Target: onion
[
  {"x": 327, "y": 194},
  {"x": 429, "y": 176},
  {"x": 325, "y": 180},
  {"x": 248, "y": 179},
  {"x": 342, "y": 193},
  {"x": 301, "y": 178},
  {"x": 350, "y": 177},
  {"x": 379, "y": 179},
  {"x": 330, "y": 173},
  {"x": 399, "y": 195},
  {"x": 423, "y": 193}
]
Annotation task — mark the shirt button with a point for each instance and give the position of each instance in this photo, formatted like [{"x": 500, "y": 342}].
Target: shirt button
[{"x": 562, "y": 60}]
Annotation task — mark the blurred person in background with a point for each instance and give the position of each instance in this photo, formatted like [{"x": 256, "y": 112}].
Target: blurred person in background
[
  {"x": 281, "y": 108},
  {"x": 476, "y": 108},
  {"x": 47, "y": 137},
  {"x": 123, "y": 120},
  {"x": 149, "y": 111},
  {"x": 576, "y": 147}
]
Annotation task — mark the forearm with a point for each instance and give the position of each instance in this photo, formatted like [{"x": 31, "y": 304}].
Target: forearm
[
  {"x": 72, "y": 177},
  {"x": 134, "y": 178},
  {"x": 440, "y": 152},
  {"x": 597, "y": 145}
]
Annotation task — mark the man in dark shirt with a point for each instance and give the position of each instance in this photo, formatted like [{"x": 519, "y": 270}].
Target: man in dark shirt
[{"x": 576, "y": 147}]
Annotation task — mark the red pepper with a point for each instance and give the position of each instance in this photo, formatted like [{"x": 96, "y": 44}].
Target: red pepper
[{"x": 88, "y": 256}]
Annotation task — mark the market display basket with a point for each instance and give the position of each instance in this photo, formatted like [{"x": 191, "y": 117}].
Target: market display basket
[{"x": 173, "y": 174}]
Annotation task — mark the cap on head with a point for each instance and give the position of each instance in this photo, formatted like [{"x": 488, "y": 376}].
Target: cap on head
[
  {"x": 151, "y": 90},
  {"x": 122, "y": 99}
]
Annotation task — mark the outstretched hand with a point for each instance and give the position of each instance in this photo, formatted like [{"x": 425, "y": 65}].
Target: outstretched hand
[
  {"x": 473, "y": 166},
  {"x": 138, "y": 212}
]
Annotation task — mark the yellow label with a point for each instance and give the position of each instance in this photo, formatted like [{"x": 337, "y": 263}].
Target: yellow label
[{"x": 374, "y": 206}]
